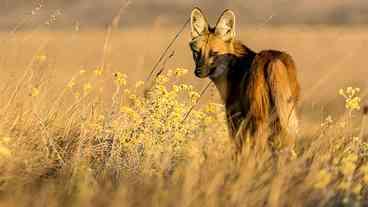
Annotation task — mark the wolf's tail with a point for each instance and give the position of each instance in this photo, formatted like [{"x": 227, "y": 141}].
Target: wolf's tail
[{"x": 284, "y": 90}]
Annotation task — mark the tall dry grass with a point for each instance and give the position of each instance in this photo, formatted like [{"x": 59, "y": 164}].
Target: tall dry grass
[{"x": 90, "y": 137}]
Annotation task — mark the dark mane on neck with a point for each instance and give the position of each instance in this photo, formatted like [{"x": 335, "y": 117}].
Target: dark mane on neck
[{"x": 240, "y": 50}]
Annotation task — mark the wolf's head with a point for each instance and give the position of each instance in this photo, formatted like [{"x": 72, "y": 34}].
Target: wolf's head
[{"x": 212, "y": 47}]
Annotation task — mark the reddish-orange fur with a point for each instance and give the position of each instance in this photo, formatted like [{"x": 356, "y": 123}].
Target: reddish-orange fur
[{"x": 260, "y": 90}]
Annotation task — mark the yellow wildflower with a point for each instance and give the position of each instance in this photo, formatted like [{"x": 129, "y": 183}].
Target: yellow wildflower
[
  {"x": 353, "y": 103},
  {"x": 212, "y": 108},
  {"x": 161, "y": 79},
  {"x": 344, "y": 185},
  {"x": 175, "y": 88},
  {"x": 98, "y": 71},
  {"x": 352, "y": 99},
  {"x": 348, "y": 168},
  {"x": 184, "y": 87},
  {"x": 120, "y": 78},
  {"x": 35, "y": 92},
  {"x": 180, "y": 72},
  {"x": 41, "y": 58},
  {"x": 208, "y": 120},
  {"x": 323, "y": 178},
  {"x": 4, "y": 152},
  {"x": 133, "y": 115},
  {"x": 87, "y": 88}
]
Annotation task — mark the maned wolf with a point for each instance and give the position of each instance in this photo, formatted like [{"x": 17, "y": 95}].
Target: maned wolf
[{"x": 260, "y": 90}]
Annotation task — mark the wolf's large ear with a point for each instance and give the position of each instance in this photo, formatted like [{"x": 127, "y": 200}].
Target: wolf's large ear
[
  {"x": 199, "y": 23},
  {"x": 225, "y": 27}
]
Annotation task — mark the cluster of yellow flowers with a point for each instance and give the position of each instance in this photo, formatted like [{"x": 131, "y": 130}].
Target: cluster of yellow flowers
[
  {"x": 347, "y": 172},
  {"x": 98, "y": 71},
  {"x": 84, "y": 88},
  {"x": 352, "y": 99},
  {"x": 347, "y": 177},
  {"x": 152, "y": 125},
  {"x": 120, "y": 79},
  {"x": 322, "y": 179}
]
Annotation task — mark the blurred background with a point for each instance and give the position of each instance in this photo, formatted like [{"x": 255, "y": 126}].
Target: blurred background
[{"x": 98, "y": 13}]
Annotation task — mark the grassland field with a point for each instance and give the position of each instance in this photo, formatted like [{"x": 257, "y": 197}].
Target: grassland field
[{"x": 74, "y": 133}]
